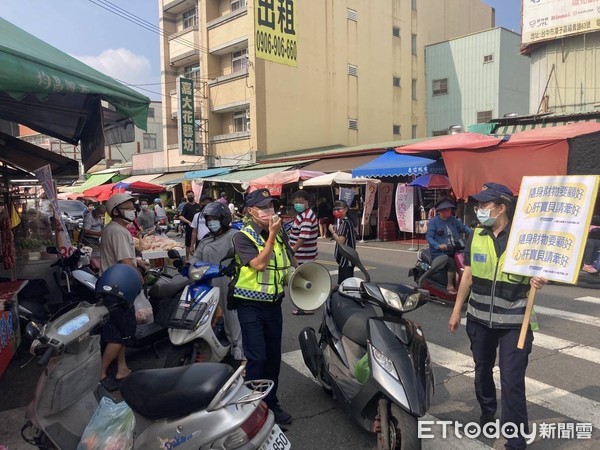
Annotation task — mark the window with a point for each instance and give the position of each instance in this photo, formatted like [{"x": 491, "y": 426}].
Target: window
[
  {"x": 353, "y": 124},
  {"x": 396, "y": 130},
  {"x": 396, "y": 31},
  {"x": 352, "y": 15},
  {"x": 414, "y": 132},
  {"x": 440, "y": 87},
  {"x": 150, "y": 141},
  {"x": 414, "y": 89},
  {"x": 150, "y": 113},
  {"x": 488, "y": 59},
  {"x": 239, "y": 61},
  {"x": 484, "y": 116},
  {"x": 241, "y": 121},
  {"x": 352, "y": 70},
  {"x": 237, "y": 4},
  {"x": 396, "y": 81},
  {"x": 192, "y": 72},
  {"x": 439, "y": 133},
  {"x": 189, "y": 18},
  {"x": 413, "y": 5},
  {"x": 413, "y": 44}
]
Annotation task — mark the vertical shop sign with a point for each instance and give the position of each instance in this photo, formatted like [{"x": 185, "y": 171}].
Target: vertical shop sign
[
  {"x": 186, "y": 124},
  {"x": 405, "y": 207},
  {"x": 276, "y": 31},
  {"x": 384, "y": 194}
]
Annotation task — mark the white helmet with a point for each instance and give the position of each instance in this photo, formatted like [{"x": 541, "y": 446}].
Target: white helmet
[{"x": 116, "y": 200}]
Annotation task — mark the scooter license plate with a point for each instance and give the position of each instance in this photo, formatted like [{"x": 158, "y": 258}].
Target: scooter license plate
[{"x": 276, "y": 440}]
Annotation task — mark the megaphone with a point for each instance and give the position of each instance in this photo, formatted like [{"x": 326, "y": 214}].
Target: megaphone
[{"x": 310, "y": 285}]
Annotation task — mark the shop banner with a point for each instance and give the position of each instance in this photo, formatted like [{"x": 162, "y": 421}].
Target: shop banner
[
  {"x": 370, "y": 192},
  {"x": 276, "y": 29},
  {"x": 186, "y": 185},
  {"x": 186, "y": 120},
  {"x": 385, "y": 193},
  {"x": 550, "y": 227},
  {"x": 197, "y": 188},
  {"x": 44, "y": 176},
  {"x": 347, "y": 194},
  {"x": 405, "y": 199}
]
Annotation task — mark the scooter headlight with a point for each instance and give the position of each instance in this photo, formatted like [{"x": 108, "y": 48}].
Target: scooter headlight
[
  {"x": 391, "y": 298},
  {"x": 384, "y": 362},
  {"x": 196, "y": 273},
  {"x": 412, "y": 301}
]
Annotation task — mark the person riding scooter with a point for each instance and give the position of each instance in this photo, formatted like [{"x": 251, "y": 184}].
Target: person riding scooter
[{"x": 443, "y": 235}]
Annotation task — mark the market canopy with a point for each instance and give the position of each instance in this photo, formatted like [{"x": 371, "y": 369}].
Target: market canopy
[
  {"x": 55, "y": 94},
  {"x": 140, "y": 187},
  {"x": 201, "y": 174},
  {"x": 274, "y": 181},
  {"x": 336, "y": 178},
  {"x": 391, "y": 164},
  {"x": 459, "y": 141}
]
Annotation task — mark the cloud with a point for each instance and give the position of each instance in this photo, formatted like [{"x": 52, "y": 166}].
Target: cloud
[{"x": 125, "y": 66}]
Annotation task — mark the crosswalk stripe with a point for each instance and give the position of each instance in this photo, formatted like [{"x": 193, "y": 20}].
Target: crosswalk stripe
[
  {"x": 563, "y": 346},
  {"x": 569, "y": 405},
  {"x": 295, "y": 360},
  {"x": 588, "y": 299},
  {"x": 566, "y": 315}
]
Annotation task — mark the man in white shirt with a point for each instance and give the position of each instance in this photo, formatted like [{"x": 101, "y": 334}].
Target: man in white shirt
[{"x": 199, "y": 228}]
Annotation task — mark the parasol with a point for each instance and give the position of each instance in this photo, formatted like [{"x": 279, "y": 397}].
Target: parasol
[{"x": 432, "y": 181}]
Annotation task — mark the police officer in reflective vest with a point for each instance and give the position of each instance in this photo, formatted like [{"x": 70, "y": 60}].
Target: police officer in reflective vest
[
  {"x": 495, "y": 312},
  {"x": 263, "y": 260}
]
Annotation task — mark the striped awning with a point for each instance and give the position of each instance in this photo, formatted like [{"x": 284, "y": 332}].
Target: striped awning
[{"x": 518, "y": 128}]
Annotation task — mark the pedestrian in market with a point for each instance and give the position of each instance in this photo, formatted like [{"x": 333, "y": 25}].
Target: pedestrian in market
[
  {"x": 199, "y": 228},
  {"x": 146, "y": 218},
  {"x": 444, "y": 232},
  {"x": 213, "y": 248},
  {"x": 497, "y": 302},
  {"x": 189, "y": 210},
  {"x": 304, "y": 235},
  {"x": 93, "y": 223},
  {"x": 323, "y": 213},
  {"x": 117, "y": 247},
  {"x": 262, "y": 263},
  {"x": 344, "y": 233}
]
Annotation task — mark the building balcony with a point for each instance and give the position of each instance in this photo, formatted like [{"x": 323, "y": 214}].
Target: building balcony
[
  {"x": 241, "y": 135},
  {"x": 183, "y": 47},
  {"x": 177, "y": 6},
  {"x": 229, "y": 33},
  {"x": 228, "y": 93},
  {"x": 173, "y": 99}
]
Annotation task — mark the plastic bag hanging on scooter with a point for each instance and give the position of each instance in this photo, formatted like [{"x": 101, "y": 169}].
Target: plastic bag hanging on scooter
[{"x": 143, "y": 309}]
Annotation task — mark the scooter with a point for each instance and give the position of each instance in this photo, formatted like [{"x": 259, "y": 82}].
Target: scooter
[
  {"x": 202, "y": 406},
  {"x": 435, "y": 281},
  {"x": 76, "y": 280},
  {"x": 195, "y": 325},
  {"x": 387, "y": 352}
]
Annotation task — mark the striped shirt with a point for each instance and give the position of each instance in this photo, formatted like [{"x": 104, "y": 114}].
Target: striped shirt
[
  {"x": 306, "y": 227},
  {"x": 346, "y": 229}
]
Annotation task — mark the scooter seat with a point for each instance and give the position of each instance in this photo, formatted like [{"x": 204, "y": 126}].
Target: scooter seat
[
  {"x": 168, "y": 287},
  {"x": 174, "y": 392},
  {"x": 351, "y": 318}
]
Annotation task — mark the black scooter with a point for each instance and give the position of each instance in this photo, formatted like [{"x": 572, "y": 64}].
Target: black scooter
[{"x": 386, "y": 352}]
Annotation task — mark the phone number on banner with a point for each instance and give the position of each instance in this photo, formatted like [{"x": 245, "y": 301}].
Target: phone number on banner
[{"x": 276, "y": 45}]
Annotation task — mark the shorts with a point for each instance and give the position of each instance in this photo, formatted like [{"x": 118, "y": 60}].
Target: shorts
[
  {"x": 121, "y": 324},
  {"x": 323, "y": 220},
  {"x": 188, "y": 236}
]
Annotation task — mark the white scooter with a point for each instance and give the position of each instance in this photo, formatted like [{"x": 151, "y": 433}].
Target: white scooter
[
  {"x": 196, "y": 325},
  {"x": 201, "y": 406}
]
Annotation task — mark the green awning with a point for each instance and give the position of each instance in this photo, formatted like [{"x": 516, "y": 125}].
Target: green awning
[
  {"x": 240, "y": 176},
  {"x": 94, "y": 180},
  {"x": 54, "y": 93}
]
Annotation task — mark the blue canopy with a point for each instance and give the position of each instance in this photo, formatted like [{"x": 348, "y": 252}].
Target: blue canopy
[
  {"x": 392, "y": 164},
  {"x": 206, "y": 173}
]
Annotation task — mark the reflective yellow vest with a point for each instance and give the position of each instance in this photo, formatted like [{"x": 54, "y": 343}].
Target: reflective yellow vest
[
  {"x": 266, "y": 285},
  {"x": 498, "y": 299}
]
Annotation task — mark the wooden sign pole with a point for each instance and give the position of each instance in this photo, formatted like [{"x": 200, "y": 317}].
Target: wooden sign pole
[{"x": 526, "y": 318}]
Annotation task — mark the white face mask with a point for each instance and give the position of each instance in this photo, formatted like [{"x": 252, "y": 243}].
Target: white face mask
[
  {"x": 213, "y": 225},
  {"x": 144, "y": 207},
  {"x": 128, "y": 215},
  {"x": 485, "y": 218}
]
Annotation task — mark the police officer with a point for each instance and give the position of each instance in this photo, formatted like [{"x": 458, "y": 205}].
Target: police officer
[
  {"x": 495, "y": 312},
  {"x": 262, "y": 259}
]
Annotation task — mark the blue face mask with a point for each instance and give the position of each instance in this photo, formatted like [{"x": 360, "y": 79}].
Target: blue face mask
[
  {"x": 299, "y": 207},
  {"x": 484, "y": 217},
  {"x": 213, "y": 225}
]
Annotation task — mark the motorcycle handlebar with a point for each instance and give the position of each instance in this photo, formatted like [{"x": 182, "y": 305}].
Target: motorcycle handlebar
[{"x": 45, "y": 357}]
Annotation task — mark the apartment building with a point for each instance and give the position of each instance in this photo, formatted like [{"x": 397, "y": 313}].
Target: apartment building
[{"x": 274, "y": 76}]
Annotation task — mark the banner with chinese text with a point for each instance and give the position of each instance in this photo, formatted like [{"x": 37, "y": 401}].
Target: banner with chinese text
[
  {"x": 384, "y": 203},
  {"x": 186, "y": 123},
  {"x": 550, "y": 227},
  {"x": 275, "y": 28},
  {"x": 405, "y": 207}
]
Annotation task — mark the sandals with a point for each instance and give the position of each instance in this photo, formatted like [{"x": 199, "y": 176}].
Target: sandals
[
  {"x": 301, "y": 312},
  {"x": 110, "y": 384},
  {"x": 452, "y": 291}
]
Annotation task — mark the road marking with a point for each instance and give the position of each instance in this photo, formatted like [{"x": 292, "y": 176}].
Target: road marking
[
  {"x": 570, "y": 405},
  {"x": 586, "y": 319},
  {"x": 562, "y": 346},
  {"x": 594, "y": 300},
  {"x": 378, "y": 248},
  {"x": 295, "y": 360}
]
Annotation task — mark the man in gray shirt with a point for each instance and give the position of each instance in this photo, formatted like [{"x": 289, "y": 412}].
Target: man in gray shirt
[{"x": 146, "y": 218}]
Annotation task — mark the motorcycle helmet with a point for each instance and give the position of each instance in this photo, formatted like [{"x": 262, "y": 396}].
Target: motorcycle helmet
[
  {"x": 120, "y": 280},
  {"x": 350, "y": 287},
  {"x": 117, "y": 200},
  {"x": 156, "y": 201},
  {"x": 219, "y": 210}
]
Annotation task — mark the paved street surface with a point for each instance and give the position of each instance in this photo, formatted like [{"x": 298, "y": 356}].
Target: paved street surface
[{"x": 562, "y": 379}]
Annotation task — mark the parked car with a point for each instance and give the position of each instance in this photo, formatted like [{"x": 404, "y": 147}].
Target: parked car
[{"x": 72, "y": 212}]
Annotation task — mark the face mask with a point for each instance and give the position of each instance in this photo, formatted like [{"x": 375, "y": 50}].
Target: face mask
[
  {"x": 144, "y": 207},
  {"x": 484, "y": 217},
  {"x": 190, "y": 199},
  {"x": 213, "y": 225},
  {"x": 128, "y": 215},
  {"x": 338, "y": 214},
  {"x": 445, "y": 213},
  {"x": 264, "y": 215},
  {"x": 299, "y": 207}
]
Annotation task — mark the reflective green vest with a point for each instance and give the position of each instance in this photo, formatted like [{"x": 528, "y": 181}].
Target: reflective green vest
[
  {"x": 266, "y": 285},
  {"x": 498, "y": 299}
]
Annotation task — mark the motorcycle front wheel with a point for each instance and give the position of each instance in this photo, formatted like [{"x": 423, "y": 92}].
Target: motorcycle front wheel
[{"x": 403, "y": 430}]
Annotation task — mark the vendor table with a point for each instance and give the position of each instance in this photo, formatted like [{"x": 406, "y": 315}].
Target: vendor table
[
  {"x": 10, "y": 333},
  {"x": 156, "y": 257}
]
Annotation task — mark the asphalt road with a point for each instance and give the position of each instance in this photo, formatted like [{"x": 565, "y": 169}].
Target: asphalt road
[{"x": 563, "y": 387}]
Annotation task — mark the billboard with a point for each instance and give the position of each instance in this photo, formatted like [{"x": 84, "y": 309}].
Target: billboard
[
  {"x": 187, "y": 123},
  {"x": 276, "y": 33},
  {"x": 545, "y": 20}
]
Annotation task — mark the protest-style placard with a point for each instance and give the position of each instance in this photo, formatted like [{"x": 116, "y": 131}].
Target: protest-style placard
[{"x": 549, "y": 231}]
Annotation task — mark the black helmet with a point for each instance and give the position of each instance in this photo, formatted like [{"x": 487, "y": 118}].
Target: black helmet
[
  {"x": 120, "y": 280},
  {"x": 219, "y": 210}
]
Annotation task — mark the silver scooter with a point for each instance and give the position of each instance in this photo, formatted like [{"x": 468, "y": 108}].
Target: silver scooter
[{"x": 199, "y": 406}]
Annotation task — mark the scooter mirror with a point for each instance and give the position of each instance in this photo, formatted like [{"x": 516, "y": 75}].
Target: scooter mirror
[
  {"x": 33, "y": 331},
  {"x": 352, "y": 255},
  {"x": 177, "y": 263},
  {"x": 173, "y": 254}
]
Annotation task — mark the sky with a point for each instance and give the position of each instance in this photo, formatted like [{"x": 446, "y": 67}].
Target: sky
[{"x": 87, "y": 30}]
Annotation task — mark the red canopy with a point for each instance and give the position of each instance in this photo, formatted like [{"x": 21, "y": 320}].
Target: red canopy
[
  {"x": 459, "y": 141},
  {"x": 274, "y": 181}
]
